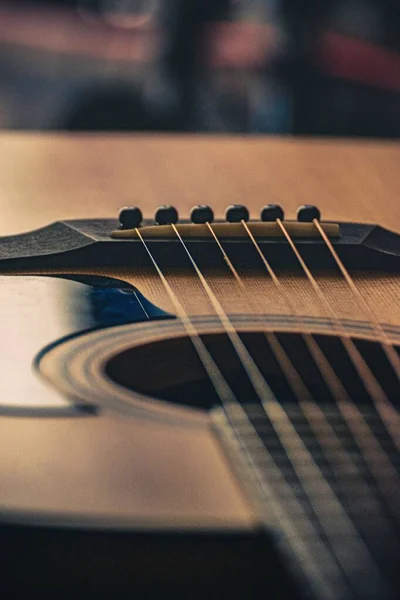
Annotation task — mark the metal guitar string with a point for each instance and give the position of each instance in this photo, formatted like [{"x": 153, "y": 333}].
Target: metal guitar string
[
  {"x": 367, "y": 377},
  {"x": 384, "y": 408},
  {"x": 387, "y": 345},
  {"x": 293, "y": 377},
  {"x": 296, "y": 449},
  {"x": 310, "y": 409},
  {"x": 372, "y": 385},
  {"x": 327, "y": 589},
  {"x": 381, "y": 334},
  {"x": 381, "y": 468}
]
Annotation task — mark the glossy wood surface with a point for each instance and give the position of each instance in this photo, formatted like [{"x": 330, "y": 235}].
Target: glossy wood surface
[
  {"x": 135, "y": 471},
  {"x": 46, "y": 177}
]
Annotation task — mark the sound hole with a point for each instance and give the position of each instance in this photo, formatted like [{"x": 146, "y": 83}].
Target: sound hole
[{"x": 171, "y": 369}]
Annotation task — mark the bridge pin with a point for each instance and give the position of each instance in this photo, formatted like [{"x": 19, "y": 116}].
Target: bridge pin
[
  {"x": 201, "y": 214},
  {"x": 272, "y": 212},
  {"x": 236, "y": 213},
  {"x": 307, "y": 213},
  {"x": 165, "y": 215},
  {"x": 130, "y": 217}
]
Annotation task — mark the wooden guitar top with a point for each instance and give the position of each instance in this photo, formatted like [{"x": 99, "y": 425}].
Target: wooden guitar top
[
  {"x": 49, "y": 177},
  {"x": 135, "y": 460}
]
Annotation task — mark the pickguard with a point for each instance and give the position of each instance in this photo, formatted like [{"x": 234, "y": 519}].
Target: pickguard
[{"x": 39, "y": 311}]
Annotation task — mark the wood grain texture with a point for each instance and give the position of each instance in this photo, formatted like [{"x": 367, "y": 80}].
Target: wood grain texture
[
  {"x": 46, "y": 177},
  {"x": 382, "y": 290}
]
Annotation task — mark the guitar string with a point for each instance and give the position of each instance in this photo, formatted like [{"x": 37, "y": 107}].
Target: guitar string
[
  {"x": 311, "y": 410},
  {"x": 367, "y": 377},
  {"x": 364, "y": 306},
  {"x": 293, "y": 377},
  {"x": 391, "y": 416},
  {"x": 299, "y": 388},
  {"x": 380, "y": 401},
  {"x": 372, "y": 385},
  {"x": 327, "y": 577},
  {"x": 330, "y": 589},
  {"x": 296, "y": 449},
  {"x": 381, "y": 468}
]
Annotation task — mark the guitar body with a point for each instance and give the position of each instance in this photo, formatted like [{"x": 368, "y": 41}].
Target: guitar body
[
  {"x": 174, "y": 426},
  {"x": 106, "y": 501}
]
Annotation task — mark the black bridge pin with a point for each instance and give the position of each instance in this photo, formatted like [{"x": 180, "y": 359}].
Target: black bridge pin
[
  {"x": 307, "y": 213},
  {"x": 202, "y": 213},
  {"x": 272, "y": 212},
  {"x": 130, "y": 217},
  {"x": 236, "y": 213},
  {"x": 165, "y": 215}
]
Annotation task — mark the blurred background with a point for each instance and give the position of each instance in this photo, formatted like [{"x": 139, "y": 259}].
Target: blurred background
[{"x": 308, "y": 67}]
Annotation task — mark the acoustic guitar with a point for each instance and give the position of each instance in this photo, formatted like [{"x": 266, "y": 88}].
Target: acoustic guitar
[{"x": 201, "y": 408}]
